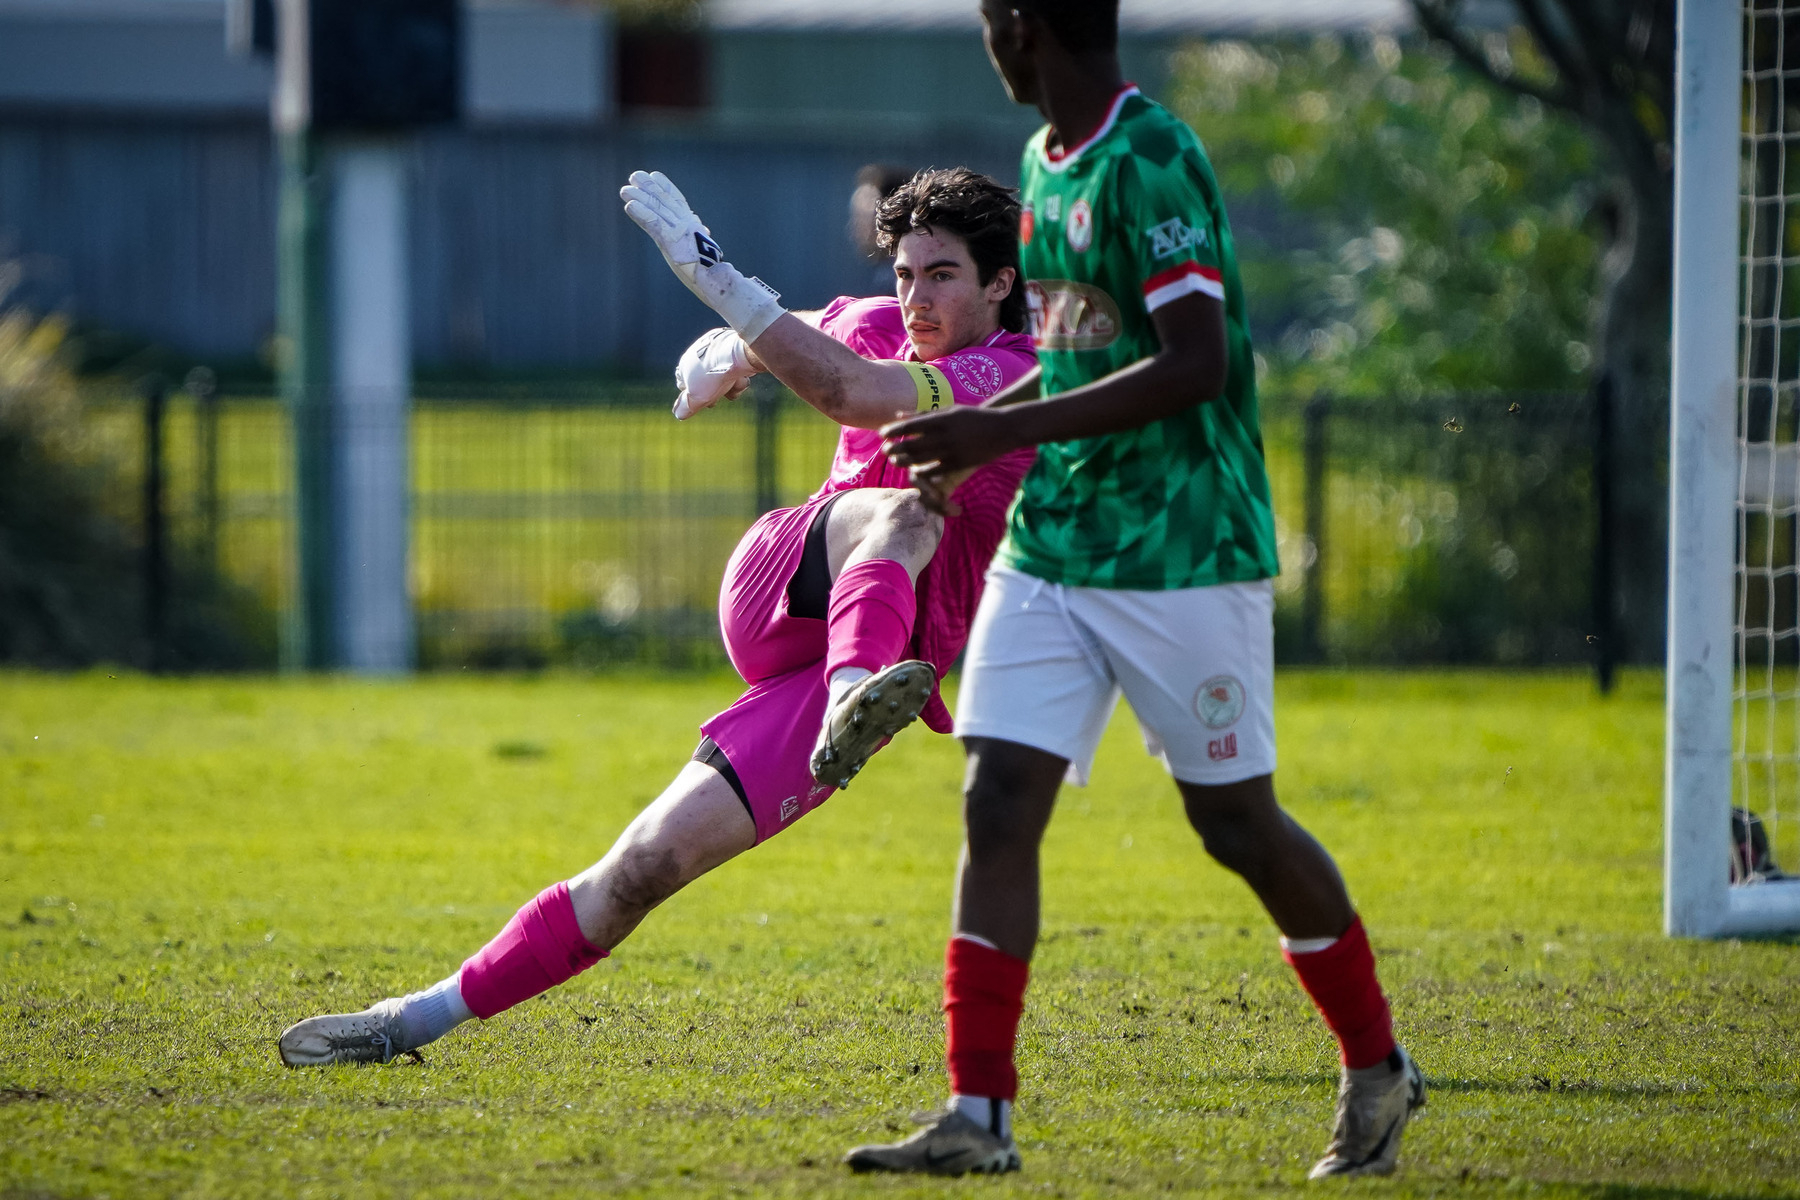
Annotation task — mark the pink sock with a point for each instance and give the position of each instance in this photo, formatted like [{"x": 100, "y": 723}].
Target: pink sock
[
  {"x": 540, "y": 947},
  {"x": 869, "y": 622}
]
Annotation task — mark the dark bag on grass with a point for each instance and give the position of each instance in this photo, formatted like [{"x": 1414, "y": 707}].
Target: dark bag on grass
[{"x": 1751, "y": 861}]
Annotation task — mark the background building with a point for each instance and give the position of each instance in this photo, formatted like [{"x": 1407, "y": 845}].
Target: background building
[{"x": 137, "y": 187}]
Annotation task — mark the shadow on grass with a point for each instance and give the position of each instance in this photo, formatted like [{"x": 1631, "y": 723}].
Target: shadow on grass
[
  {"x": 1540, "y": 1084},
  {"x": 1770, "y": 939},
  {"x": 1533, "y": 1085},
  {"x": 1649, "y": 1191}
]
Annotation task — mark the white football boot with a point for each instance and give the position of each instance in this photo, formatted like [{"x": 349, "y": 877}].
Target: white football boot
[
  {"x": 950, "y": 1145},
  {"x": 372, "y": 1035},
  {"x": 872, "y": 710},
  {"x": 1373, "y": 1106}
]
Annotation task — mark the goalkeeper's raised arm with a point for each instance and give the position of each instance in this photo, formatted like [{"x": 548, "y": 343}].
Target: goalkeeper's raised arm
[{"x": 956, "y": 289}]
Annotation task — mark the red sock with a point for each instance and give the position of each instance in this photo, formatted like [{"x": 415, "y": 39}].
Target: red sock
[
  {"x": 1341, "y": 981},
  {"x": 540, "y": 947},
  {"x": 984, "y": 993},
  {"x": 869, "y": 621}
]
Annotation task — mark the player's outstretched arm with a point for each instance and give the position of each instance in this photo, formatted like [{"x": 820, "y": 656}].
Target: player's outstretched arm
[
  {"x": 850, "y": 389},
  {"x": 1188, "y": 370},
  {"x": 822, "y": 371}
]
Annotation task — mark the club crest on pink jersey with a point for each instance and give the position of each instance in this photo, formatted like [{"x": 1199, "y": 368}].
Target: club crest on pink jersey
[{"x": 977, "y": 374}]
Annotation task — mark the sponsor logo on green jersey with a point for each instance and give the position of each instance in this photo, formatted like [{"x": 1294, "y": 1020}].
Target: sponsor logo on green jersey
[{"x": 1066, "y": 315}]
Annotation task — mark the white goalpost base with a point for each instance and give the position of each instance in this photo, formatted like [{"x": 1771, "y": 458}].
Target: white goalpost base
[
  {"x": 1716, "y": 473},
  {"x": 1757, "y": 908}
]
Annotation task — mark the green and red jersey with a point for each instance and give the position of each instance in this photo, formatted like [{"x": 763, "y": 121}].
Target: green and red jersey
[{"x": 1113, "y": 229}]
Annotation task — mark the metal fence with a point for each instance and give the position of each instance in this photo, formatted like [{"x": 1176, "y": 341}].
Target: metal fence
[
  {"x": 582, "y": 525},
  {"x": 1460, "y": 530}
]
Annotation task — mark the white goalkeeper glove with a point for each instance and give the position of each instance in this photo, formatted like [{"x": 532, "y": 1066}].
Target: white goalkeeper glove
[
  {"x": 748, "y": 304},
  {"x": 710, "y": 370}
]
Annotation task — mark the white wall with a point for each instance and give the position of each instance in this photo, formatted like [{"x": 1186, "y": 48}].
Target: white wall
[
  {"x": 537, "y": 63},
  {"x": 528, "y": 62}
]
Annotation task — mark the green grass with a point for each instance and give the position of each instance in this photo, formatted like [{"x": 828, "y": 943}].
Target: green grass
[{"x": 187, "y": 866}]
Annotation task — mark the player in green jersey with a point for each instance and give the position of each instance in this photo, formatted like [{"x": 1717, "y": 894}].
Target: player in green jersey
[{"x": 1137, "y": 560}]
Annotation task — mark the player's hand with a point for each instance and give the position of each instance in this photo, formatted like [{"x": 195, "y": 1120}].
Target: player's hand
[
  {"x": 660, "y": 210},
  {"x": 937, "y": 492},
  {"x": 934, "y": 446},
  {"x": 657, "y": 206},
  {"x": 716, "y": 367}
]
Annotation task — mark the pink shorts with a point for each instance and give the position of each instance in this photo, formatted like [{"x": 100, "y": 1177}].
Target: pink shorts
[
  {"x": 760, "y": 637},
  {"x": 768, "y": 734}
]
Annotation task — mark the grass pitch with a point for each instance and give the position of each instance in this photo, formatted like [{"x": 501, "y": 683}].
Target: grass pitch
[{"x": 187, "y": 866}]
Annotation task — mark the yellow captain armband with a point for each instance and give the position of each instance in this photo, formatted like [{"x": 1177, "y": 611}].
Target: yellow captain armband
[{"x": 934, "y": 389}]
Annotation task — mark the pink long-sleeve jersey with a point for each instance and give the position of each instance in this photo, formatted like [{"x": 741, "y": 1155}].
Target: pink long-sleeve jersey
[{"x": 950, "y": 585}]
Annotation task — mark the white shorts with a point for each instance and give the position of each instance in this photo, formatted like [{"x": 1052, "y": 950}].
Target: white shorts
[{"x": 1046, "y": 664}]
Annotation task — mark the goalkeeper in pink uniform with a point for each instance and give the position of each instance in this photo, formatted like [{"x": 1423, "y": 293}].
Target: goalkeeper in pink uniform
[{"x": 840, "y": 614}]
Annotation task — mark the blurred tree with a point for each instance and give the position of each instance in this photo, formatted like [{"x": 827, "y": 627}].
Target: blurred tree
[
  {"x": 70, "y": 562},
  {"x": 66, "y": 570},
  {"x": 1611, "y": 65},
  {"x": 1411, "y": 230},
  {"x": 1436, "y": 229}
]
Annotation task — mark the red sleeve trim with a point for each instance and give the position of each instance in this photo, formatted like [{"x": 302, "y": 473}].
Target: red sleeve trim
[
  {"x": 1182, "y": 280},
  {"x": 1165, "y": 278}
]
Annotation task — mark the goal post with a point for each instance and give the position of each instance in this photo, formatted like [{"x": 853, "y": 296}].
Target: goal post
[{"x": 1733, "y": 720}]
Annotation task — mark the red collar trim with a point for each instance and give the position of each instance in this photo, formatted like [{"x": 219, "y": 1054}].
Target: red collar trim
[{"x": 1061, "y": 158}]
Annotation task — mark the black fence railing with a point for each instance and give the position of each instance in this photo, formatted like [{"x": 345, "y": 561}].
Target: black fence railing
[
  {"x": 585, "y": 526},
  {"x": 1462, "y": 530}
]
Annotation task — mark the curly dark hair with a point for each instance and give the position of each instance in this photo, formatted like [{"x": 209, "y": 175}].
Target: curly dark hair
[{"x": 974, "y": 207}]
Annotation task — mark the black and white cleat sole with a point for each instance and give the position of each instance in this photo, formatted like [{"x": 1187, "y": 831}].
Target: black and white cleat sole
[{"x": 872, "y": 711}]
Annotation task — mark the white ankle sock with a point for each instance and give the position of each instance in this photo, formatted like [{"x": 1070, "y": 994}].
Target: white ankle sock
[
  {"x": 995, "y": 1116},
  {"x": 843, "y": 679},
  {"x": 428, "y": 1015}
]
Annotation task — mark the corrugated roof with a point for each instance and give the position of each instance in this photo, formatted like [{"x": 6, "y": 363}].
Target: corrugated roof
[{"x": 1242, "y": 17}]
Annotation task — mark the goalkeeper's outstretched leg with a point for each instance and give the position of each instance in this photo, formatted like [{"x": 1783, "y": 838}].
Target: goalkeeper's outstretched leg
[
  {"x": 695, "y": 825},
  {"x": 810, "y": 592}
]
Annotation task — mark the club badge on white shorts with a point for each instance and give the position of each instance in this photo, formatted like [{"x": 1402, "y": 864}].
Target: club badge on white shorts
[{"x": 1219, "y": 702}]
